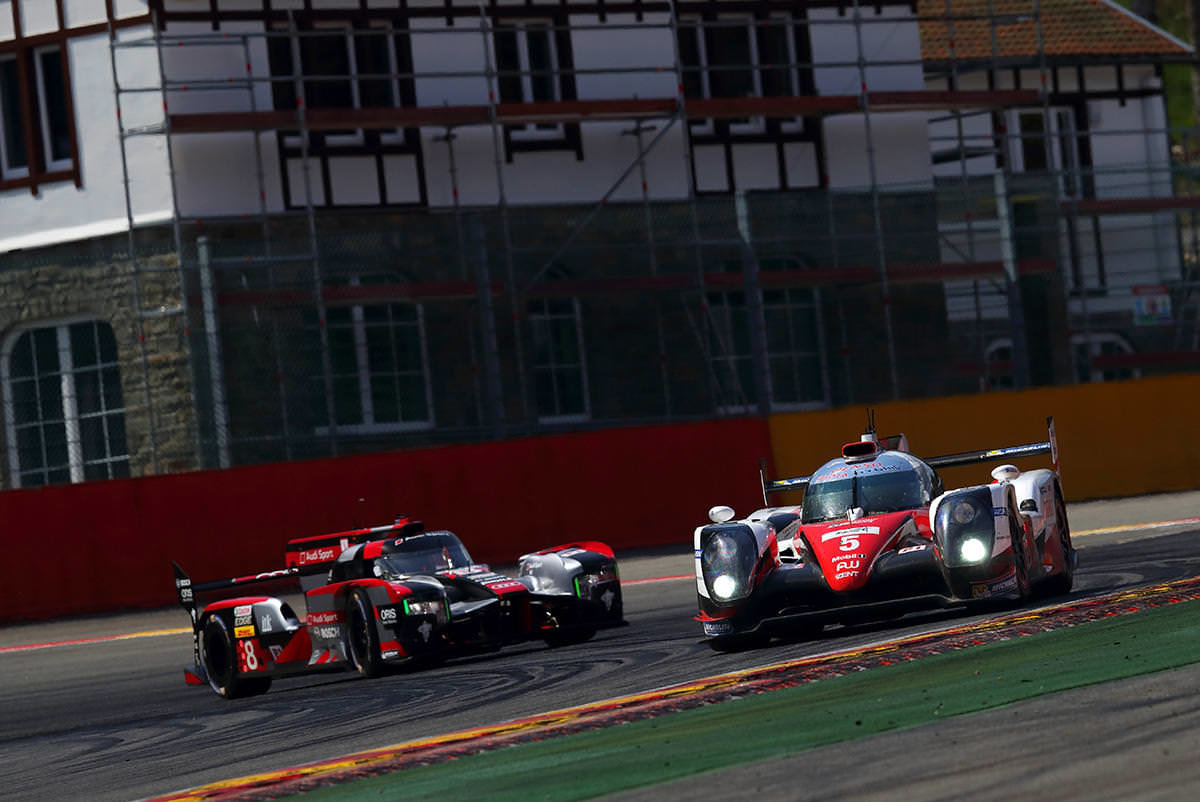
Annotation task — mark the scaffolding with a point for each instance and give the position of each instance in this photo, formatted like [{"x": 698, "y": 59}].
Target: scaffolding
[{"x": 991, "y": 255}]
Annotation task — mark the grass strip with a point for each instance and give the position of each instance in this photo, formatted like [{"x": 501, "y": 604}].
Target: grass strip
[{"x": 783, "y": 722}]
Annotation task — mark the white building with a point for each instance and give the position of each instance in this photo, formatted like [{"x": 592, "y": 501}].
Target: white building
[{"x": 311, "y": 178}]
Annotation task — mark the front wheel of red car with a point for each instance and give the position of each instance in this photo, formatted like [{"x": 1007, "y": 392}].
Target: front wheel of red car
[
  {"x": 1020, "y": 565},
  {"x": 219, "y": 654},
  {"x": 362, "y": 639},
  {"x": 1062, "y": 582}
]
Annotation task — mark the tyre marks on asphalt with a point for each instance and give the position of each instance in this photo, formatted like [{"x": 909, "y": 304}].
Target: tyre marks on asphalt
[{"x": 722, "y": 687}]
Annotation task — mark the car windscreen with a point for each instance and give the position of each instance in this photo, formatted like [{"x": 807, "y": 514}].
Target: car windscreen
[
  {"x": 422, "y": 554},
  {"x": 876, "y": 490}
]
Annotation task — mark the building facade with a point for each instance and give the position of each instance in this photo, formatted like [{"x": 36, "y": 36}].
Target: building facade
[{"x": 292, "y": 229}]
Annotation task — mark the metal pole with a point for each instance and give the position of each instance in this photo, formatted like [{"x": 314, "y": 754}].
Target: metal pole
[
  {"x": 139, "y": 323},
  {"x": 310, "y": 214},
  {"x": 514, "y": 295},
  {"x": 876, "y": 212},
  {"x": 176, "y": 231},
  {"x": 587, "y": 218},
  {"x": 260, "y": 174},
  {"x": 216, "y": 371},
  {"x": 664, "y": 374},
  {"x": 690, "y": 177},
  {"x": 755, "y": 318},
  {"x": 965, "y": 187}
]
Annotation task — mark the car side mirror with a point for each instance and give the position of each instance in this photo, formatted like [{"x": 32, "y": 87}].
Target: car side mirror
[{"x": 720, "y": 514}]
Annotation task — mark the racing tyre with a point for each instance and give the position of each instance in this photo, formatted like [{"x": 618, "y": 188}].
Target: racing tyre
[
  {"x": 568, "y": 637},
  {"x": 362, "y": 639},
  {"x": 1020, "y": 564},
  {"x": 1062, "y": 582},
  {"x": 219, "y": 654}
]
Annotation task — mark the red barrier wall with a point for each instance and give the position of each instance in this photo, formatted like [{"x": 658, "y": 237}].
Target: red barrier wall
[{"x": 102, "y": 546}]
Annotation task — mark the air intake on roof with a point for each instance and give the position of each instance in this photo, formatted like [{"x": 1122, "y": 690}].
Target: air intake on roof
[{"x": 860, "y": 450}]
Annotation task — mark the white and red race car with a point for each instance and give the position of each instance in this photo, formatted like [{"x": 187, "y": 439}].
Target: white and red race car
[{"x": 877, "y": 536}]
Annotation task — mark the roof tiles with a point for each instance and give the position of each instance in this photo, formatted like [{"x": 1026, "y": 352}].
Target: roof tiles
[{"x": 1090, "y": 28}]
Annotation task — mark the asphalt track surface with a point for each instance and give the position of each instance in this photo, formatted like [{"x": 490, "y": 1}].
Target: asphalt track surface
[{"x": 114, "y": 721}]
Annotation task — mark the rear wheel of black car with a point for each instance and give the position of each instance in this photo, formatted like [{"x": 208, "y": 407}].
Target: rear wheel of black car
[
  {"x": 362, "y": 639},
  {"x": 219, "y": 654}
]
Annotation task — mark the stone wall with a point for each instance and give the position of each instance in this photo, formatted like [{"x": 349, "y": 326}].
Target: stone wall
[{"x": 74, "y": 283}]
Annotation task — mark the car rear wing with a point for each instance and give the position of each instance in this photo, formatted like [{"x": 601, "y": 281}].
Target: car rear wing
[
  {"x": 186, "y": 590},
  {"x": 900, "y": 442},
  {"x": 1049, "y": 446}
]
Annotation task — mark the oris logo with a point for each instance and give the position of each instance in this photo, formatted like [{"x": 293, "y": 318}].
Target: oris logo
[{"x": 387, "y": 615}]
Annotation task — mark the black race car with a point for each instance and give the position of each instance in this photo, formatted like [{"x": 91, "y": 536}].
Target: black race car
[{"x": 389, "y": 595}]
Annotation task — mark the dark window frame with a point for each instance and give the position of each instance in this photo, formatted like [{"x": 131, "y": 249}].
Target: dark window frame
[
  {"x": 357, "y": 29},
  {"x": 46, "y": 123},
  {"x": 63, "y": 394},
  {"x": 533, "y": 138}
]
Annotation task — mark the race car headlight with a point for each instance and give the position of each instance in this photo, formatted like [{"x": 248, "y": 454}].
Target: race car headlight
[
  {"x": 727, "y": 559},
  {"x": 962, "y": 512},
  {"x": 973, "y": 550},
  {"x": 965, "y": 527},
  {"x": 434, "y": 607},
  {"x": 586, "y": 583},
  {"x": 724, "y": 587}
]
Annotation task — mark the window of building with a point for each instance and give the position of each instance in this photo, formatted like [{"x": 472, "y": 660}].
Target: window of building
[
  {"x": 345, "y": 68},
  {"x": 1035, "y": 149},
  {"x": 1088, "y": 350},
  {"x": 52, "y": 107},
  {"x": 14, "y": 155},
  {"x": 64, "y": 412},
  {"x": 43, "y": 89},
  {"x": 534, "y": 65},
  {"x": 378, "y": 364},
  {"x": 795, "y": 351},
  {"x": 739, "y": 56},
  {"x": 559, "y": 368}
]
